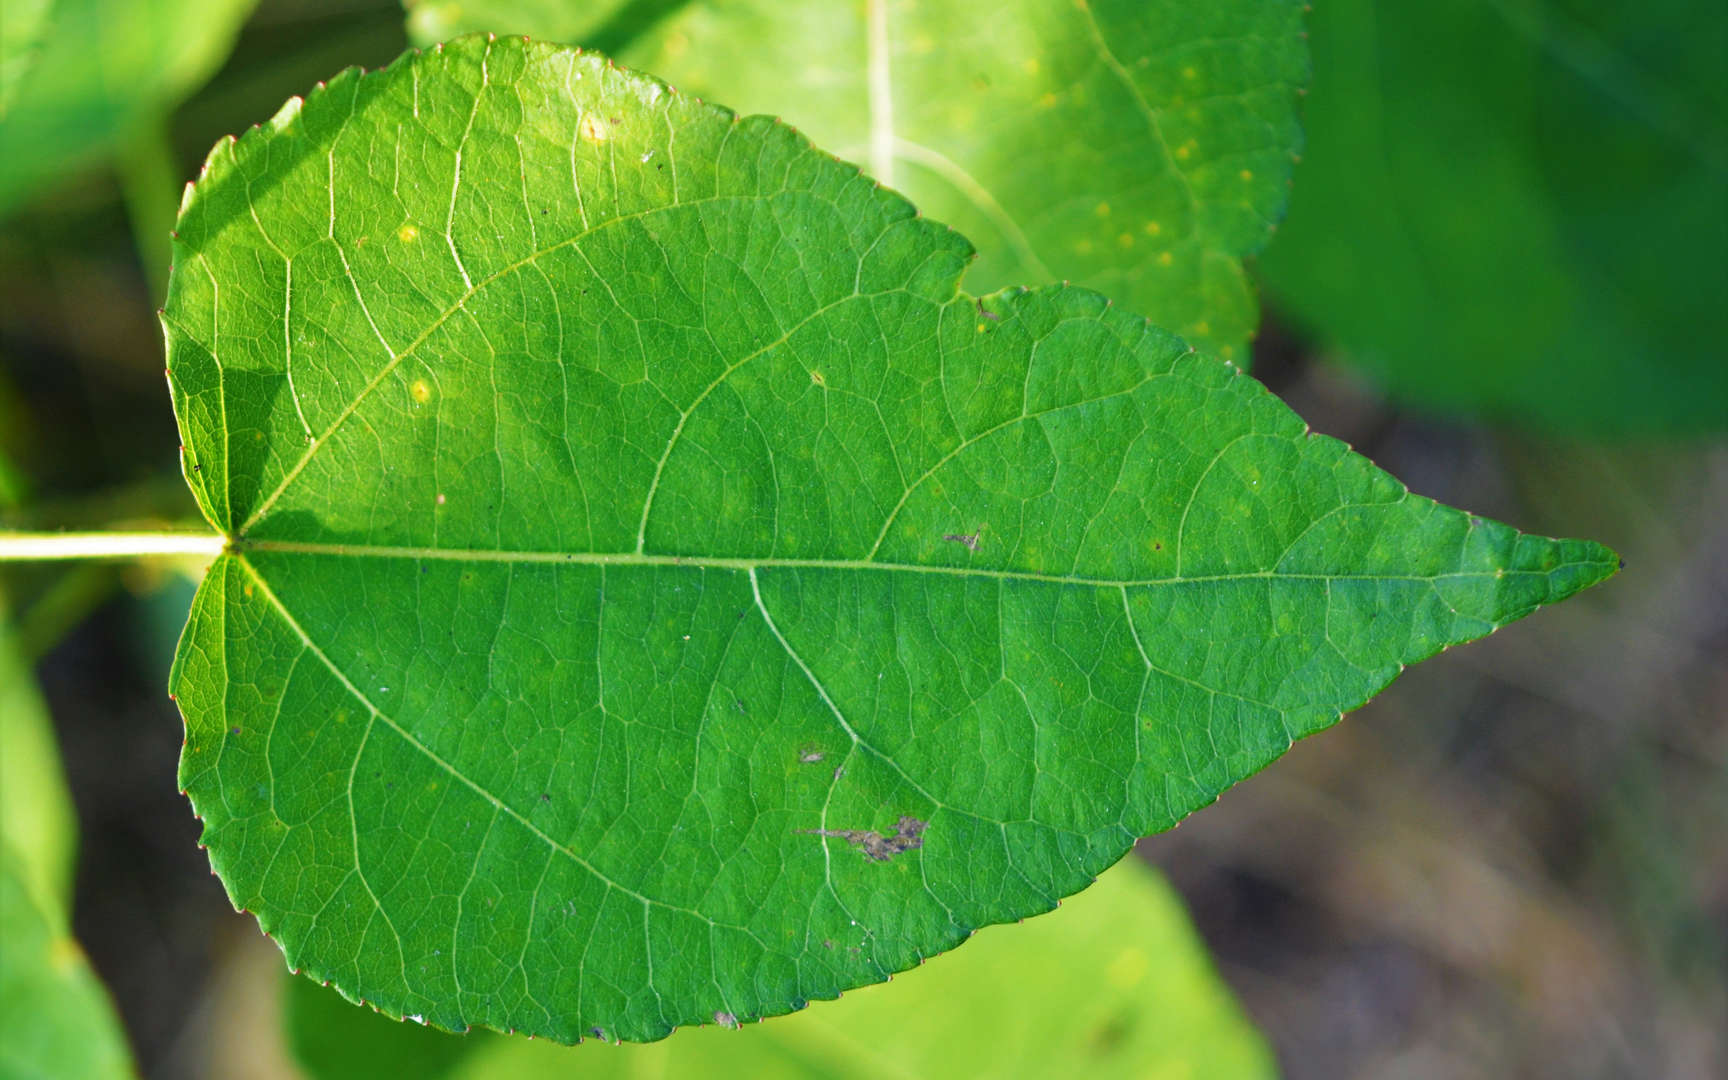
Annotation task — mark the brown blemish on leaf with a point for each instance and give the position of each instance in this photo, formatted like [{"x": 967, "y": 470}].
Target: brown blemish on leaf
[
  {"x": 810, "y": 756},
  {"x": 969, "y": 539},
  {"x": 726, "y": 1020},
  {"x": 908, "y": 833}
]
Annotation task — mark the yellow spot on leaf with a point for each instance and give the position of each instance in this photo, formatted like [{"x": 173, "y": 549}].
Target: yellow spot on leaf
[
  {"x": 677, "y": 44},
  {"x": 593, "y": 128},
  {"x": 1031, "y": 65},
  {"x": 1165, "y": 259},
  {"x": 923, "y": 45},
  {"x": 1103, "y": 209},
  {"x": 1047, "y": 100},
  {"x": 1247, "y": 174},
  {"x": 1153, "y": 228},
  {"x": 816, "y": 377},
  {"x": 1190, "y": 73},
  {"x": 420, "y": 391},
  {"x": 1126, "y": 240},
  {"x": 1202, "y": 328},
  {"x": 407, "y": 234},
  {"x": 1184, "y": 151},
  {"x": 1084, "y": 247}
]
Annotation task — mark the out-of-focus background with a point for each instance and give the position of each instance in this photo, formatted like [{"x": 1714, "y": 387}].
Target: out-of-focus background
[{"x": 1513, "y": 863}]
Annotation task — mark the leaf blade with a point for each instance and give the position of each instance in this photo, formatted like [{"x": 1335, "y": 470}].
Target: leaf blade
[{"x": 658, "y": 591}]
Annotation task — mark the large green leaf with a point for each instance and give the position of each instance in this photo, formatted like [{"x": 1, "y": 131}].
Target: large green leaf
[
  {"x": 1138, "y": 148},
  {"x": 1516, "y": 208},
  {"x": 657, "y": 593},
  {"x": 1114, "y": 984},
  {"x": 99, "y": 67}
]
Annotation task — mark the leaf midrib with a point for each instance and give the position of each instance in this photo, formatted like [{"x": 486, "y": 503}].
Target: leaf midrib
[{"x": 746, "y": 564}]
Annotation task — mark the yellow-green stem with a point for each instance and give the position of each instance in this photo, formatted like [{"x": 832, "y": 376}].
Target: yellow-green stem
[{"x": 41, "y": 546}]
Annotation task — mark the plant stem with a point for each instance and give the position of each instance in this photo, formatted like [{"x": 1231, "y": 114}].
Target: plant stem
[{"x": 18, "y": 546}]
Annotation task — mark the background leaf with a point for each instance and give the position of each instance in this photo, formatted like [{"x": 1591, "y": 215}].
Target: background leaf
[
  {"x": 20, "y": 37},
  {"x": 1137, "y": 148},
  {"x": 37, "y": 823},
  {"x": 658, "y": 594},
  {"x": 1515, "y": 208},
  {"x": 1115, "y": 983},
  {"x": 101, "y": 67},
  {"x": 55, "y": 1019}
]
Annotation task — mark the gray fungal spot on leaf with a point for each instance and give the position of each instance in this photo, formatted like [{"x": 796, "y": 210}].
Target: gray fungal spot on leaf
[{"x": 908, "y": 833}]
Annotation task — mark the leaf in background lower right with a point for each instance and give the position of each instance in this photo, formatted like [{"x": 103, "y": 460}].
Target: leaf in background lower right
[{"x": 1114, "y": 984}]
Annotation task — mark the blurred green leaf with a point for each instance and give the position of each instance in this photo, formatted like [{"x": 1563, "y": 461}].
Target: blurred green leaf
[
  {"x": 21, "y": 28},
  {"x": 1114, "y": 984},
  {"x": 37, "y": 822},
  {"x": 56, "y": 1022},
  {"x": 334, "y": 1040},
  {"x": 656, "y": 593},
  {"x": 570, "y": 21},
  {"x": 101, "y": 67},
  {"x": 13, "y": 486},
  {"x": 1139, "y": 148},
  {"x": 1519, "y": 208}
]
